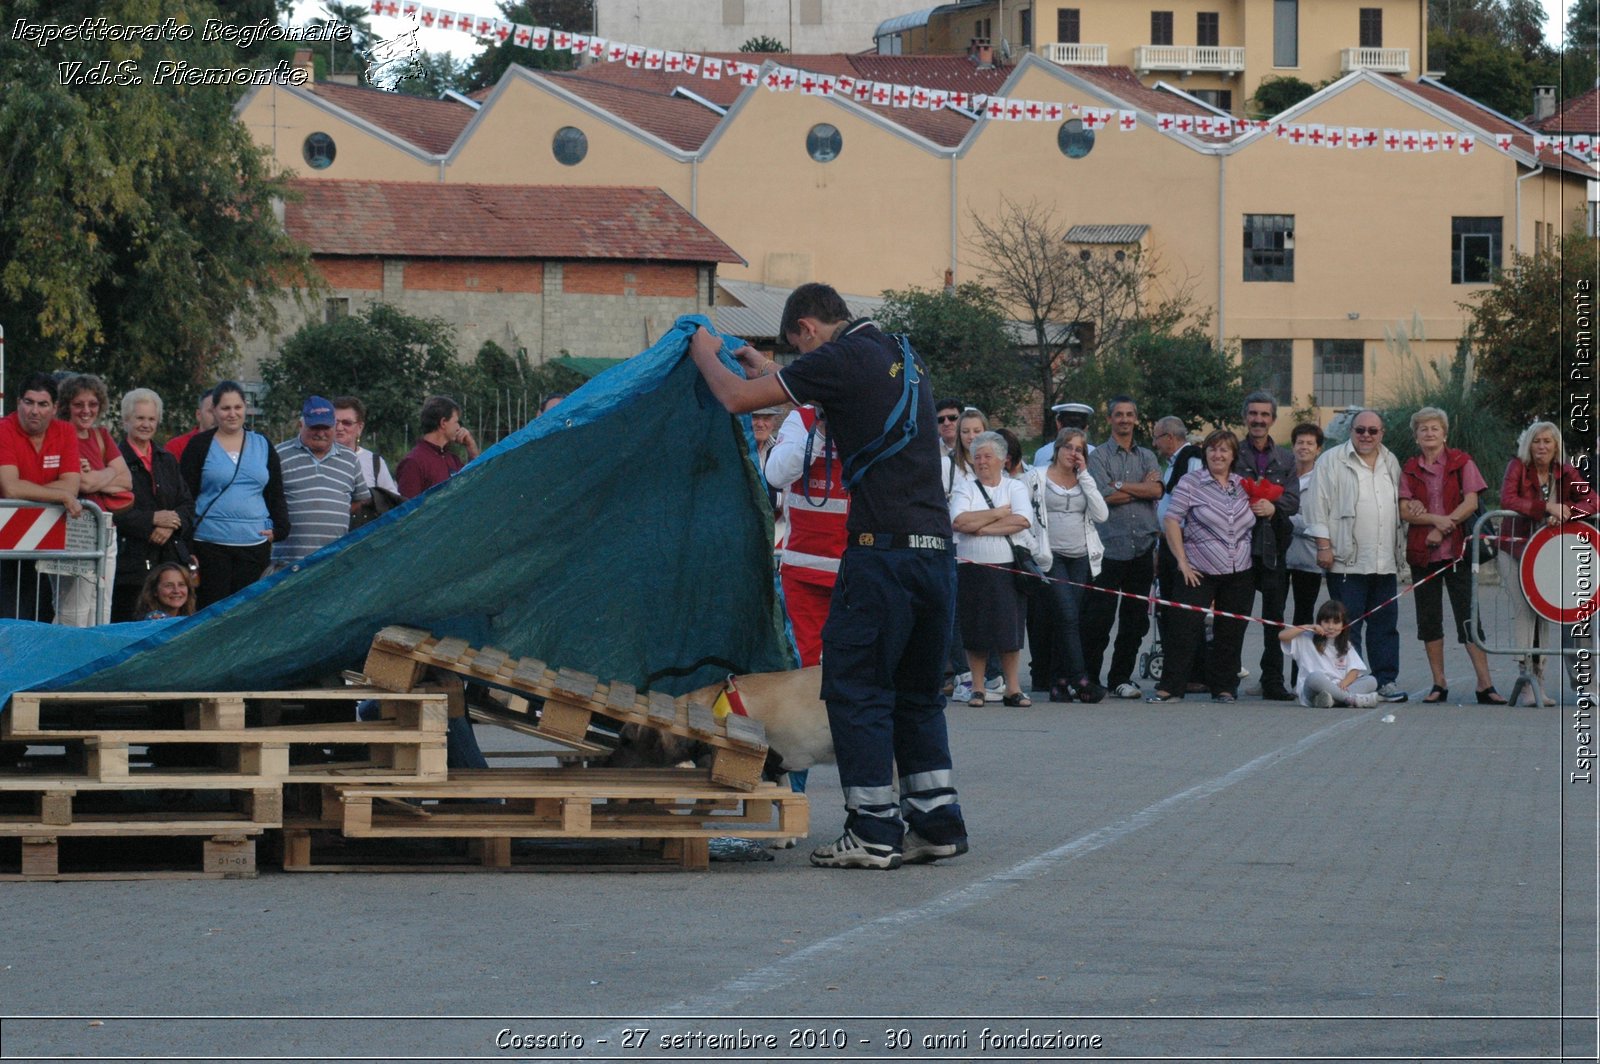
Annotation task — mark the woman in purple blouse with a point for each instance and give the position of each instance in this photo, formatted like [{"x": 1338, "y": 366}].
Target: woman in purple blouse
[{"x": 1208, "y": 526}]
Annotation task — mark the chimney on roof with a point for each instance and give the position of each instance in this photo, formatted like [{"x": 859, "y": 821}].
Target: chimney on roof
[
  {"x": 1544, "y": 102},
  {"x": 981, "y": 52},
  {"x": 303, "y": 66}
]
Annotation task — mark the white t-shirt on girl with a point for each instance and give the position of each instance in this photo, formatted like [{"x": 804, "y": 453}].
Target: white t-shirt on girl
[{"x": 1327, "y": 661}]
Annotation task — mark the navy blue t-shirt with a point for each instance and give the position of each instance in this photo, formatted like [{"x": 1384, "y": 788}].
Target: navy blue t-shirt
[{"x": 857, "y": 380}]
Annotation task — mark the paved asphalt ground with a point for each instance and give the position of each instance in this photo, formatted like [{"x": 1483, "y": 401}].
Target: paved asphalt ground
[{"x": 1196, "y": 882}]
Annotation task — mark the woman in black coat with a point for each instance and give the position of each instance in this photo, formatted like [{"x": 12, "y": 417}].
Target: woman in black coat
[{"x": 157, "y": 527}]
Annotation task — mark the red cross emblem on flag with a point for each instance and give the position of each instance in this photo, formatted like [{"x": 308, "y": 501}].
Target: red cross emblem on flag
[
  {"x": 1164, "y": 123},
  {"x": 997, "y": 109},
  {"x": 1448, "y": 141},
  {"x": 1052, "y": 111},
  {"x": 447, "y": 21},
  {"x": 503, "y": 31},
  {"x": 377, "y": 7},
  {"x": 1034, "y": 110},
  {"x": 920, "y": 98},
  {"x": 901, "y": 98},
  {"x": 1502, "y": 141},
  {"x": 864, "y": 91},
  {"x": 846, "y": 86},
  {"x": 391, "y": 9},
  {"x": 617, "y": 53},
  {"x": 597, "y": 49},
  {"x": 635, "y": 57},
  {"x": 410, "y": 10},
  {"x": 1410, "y": 142},
  {"x": 880, "y": 95},
  {"x": 808, "y": 86},
  {"x": 1316, "y": 136},
  {"x": 652, "y": 59},
  {"x": 427, "y": 17},
  {"x": 1297, "y": 135},
  {"x": 464, "y": 23},
  {"x": 562, "y": 41},
  {"x": 539, "y": 37},
  {"x": 825, "y": 86},
  {"x": 1370, "y": 137},
  {"x": 748, "y": 74},
  {"x": 1185, "y": 124},
  {"x": 1580, "y": 145},
  {"x": 580, "y": 44},
  {"x": 1430, "y": 142},
  {"x": 731, "y": 67},
  {"x": 674, "y": 62},
  {"x": 523, "y": 37},
  {"x": 771, "y": 81},
  {"x": 958, "y": 98},
  {"x": 1014, "y": 111},
  {"x": 1335, "y": 138},
  {"x": 485, "y": 27},
  {"x": 1391, "y": 142},
  {"x": 938, "y": 100},
  {"x": 1466, "y": 144},
  {"x": 1128, "y": 121},
  {"x": 1202, "y": 124},
  {"x": 787, "y": 81}
]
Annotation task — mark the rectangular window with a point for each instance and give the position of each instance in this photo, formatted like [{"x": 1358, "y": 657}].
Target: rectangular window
[
  {"x": 1286, "y": 33},
  {"x": 1338, "y": 369},
  {"x": 1025, "y": 27},
  {"x": 335, "y": 308},
  {"x": 1372, "y": 27},
  {"x": 1269, "y": 364},
  {"x": 1221, "y": 99},
  {"x": 1474, "y": 250},
  {"x": 1067, "y": 25},
  {"x": 1208, "y": 29},
  {"x": 1269, "y": 247},
  {"x": 1160, "y": 27}
]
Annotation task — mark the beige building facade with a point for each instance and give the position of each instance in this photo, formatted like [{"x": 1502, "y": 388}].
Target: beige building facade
[
  {"x": 723, "y": 25},
  {"x": 1320, "y": 266}
]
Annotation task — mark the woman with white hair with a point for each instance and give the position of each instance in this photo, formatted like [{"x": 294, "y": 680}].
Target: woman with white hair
[
  {"x": 1439, "y": 490},
  {"x": 1543, "y": 489},
  {"x": 155, "y": 529},
  {"x": 986, "y": 511}
]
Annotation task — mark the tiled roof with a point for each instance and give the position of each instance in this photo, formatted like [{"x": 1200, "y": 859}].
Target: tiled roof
[
  {"x": 1106, "y": 234},
  {"x": 1122, "y": 83},
  {"x": 1581, "y": 114},
  {"x": 432, "y": 125},
  {"x": 680, "y": 122},
  {"x": 1488, "y": 121},
  {"x": 417, "y": 220}
]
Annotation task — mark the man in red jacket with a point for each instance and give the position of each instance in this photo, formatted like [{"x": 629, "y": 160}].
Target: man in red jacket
[{"x": 38, "y": 463}]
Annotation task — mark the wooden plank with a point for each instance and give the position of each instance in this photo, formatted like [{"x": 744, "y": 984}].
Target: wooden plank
[
  {"x": 213, "y": 714},
  {"x": 401, "y": 637},
  {"x": 390, "y": 670},
  {"x": 564, "y": 721},
  {"x": 737, "y": 768},
  {"x": 663, "y": 711},
  {"x": 55, "y": 807},
  {"x": 702, "y": 721},
  {"x": 296, "y": 848},
  {"x": 264, "y": 805},
  {"x": 575, "y": 814},
  {"x": 40, "y": 856},
  {"x": 488, "y": 661},
  {"x": 449, "y": 651},
  {"x": 746, "y": 732},
  {"x": 106, "y": 760},
  {"x": 23, "y": 715},
  {"x": 574, "y": 685},
  {"x": 622, "y": 699},
  {"x": 529, "y": 675}
]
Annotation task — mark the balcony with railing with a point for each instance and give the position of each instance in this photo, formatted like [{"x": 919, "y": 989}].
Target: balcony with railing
[
  {"x": 1189, "y": 59},
  {"x": 1077, "y": 54},
  {"x": 1380, "y": 60}
]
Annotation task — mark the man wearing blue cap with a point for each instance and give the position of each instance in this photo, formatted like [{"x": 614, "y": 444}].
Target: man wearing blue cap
[{"x": 322, "y": 484}]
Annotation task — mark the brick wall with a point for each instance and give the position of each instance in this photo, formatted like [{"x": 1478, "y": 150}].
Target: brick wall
[
  {"x": 360, "y": 274},
  {"x": 629, "y": 279},
  {"x": 473, "y": 275}
]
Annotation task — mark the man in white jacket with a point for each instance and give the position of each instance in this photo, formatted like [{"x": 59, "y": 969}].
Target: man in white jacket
[{"x": 1354, "y": 518}]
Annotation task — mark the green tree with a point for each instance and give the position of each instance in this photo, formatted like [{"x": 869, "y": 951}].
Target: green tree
[
  {"x": 491, "y": 64},
  {"x": 390, "y": 359},
  {"x": 1524, "y": 325},
  {"x": 763, "y": 45},
  {"x": 1477, "y": 425},
  {"x": 348, "y": 57},
  {"x": 962, "y": 335},
  {"x": 1169, "y": 371},
  {"x": 1275, "y": 95},
  {"x": 430, "y": 74},
  {"x": 1492, "y": 50},
  {"x": 137, "y": 231}
]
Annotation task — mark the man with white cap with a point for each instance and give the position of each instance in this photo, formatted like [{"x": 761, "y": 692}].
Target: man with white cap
[{"x": 1073, "y": 415}]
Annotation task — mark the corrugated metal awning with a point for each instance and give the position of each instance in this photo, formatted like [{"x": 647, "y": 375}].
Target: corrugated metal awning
[
  {"x": 1106, "y": 234},
  {"x": 756, "y": 309}
]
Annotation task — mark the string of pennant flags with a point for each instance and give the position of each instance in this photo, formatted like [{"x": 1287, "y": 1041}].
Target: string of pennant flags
[{"x": 995, "y": 108}]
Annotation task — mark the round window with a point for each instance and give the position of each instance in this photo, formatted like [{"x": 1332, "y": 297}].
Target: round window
[
  {"x": 570, "y": 145},
  {"x": 1074, "y": 141},
  {"x": 319, "y": 151},
  {"x": 824, "y": 142}
]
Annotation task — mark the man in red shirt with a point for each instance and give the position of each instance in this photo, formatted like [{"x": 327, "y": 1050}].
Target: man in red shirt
[
  {"x": 38, "y": 463},
  {"x": 203, "y": 420},
  {"x": 429, "y": 462}
]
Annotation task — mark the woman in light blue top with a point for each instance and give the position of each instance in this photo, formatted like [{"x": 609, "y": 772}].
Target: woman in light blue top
[{"x": 239, "y": 506}]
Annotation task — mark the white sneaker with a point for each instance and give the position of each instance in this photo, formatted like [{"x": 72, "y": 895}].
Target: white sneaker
[
  {"x": 1364, "y": 701},
  {"x": 995, "y": 689},
  {"x": 1323, "y": 700},
  {"x": 1127, "y": 690},
  {"x": 962, "y": 693},
  {"x": 1391, "y": 692},
  {"x": 918, "y": 850},
  {"x": 847, "y": 851}
]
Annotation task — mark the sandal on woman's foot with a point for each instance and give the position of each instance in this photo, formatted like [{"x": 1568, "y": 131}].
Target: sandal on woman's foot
[
  {"x": 1017, "y": 700},
  {"x": 976, "y": 701},
  {"x": 1162, "y": 696},
  {"x": 1227, "y": 698},
  {"x": 1438, "y": 694},
  {"x": 1490, "y": 697}
]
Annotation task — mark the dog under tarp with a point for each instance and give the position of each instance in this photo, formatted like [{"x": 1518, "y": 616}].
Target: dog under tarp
[{"x": 626, "y": 534}]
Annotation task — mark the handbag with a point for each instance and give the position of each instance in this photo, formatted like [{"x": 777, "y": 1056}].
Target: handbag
[
  {"x": 383, "y": 500},
  {"x": 1025, "y": 572}
]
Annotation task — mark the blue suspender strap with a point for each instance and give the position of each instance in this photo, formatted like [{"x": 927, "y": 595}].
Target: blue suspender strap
[{"x": 854, "y": 467}]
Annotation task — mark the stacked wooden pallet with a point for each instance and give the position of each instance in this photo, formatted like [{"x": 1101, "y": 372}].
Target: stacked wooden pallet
[
  {"x": 164, "y": 771},
  {"x": 226, "y": 769}
]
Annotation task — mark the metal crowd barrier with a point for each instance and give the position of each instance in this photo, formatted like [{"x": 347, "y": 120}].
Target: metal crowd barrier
[
  {"x": 1506, "y": 624},
  {"x": 42, "y": 551}
]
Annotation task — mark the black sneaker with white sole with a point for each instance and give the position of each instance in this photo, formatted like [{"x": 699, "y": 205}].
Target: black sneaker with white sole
[{"x": 847, "y": 851}]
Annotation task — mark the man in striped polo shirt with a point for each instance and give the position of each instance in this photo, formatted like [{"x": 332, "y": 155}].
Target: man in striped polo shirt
[{"x": 322, "y": 484}]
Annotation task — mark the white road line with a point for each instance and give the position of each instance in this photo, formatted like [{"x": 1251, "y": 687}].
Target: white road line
[{"x": 724, "y": 999}]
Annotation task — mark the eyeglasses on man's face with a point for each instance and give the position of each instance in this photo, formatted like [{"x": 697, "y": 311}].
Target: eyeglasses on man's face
[
  {"x": 1368, "y": 430},
  {"x": 945, "y": 419}
]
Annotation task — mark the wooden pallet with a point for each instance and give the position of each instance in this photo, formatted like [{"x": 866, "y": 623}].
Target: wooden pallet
[
  {"x": 500, "y": 805},
  {"x": 39, "y": 805},
  {"x": 408, "y": 744},
  {"x": 314, "y": 850},
  {"x": 227, "y": 851},
  {"x": 570, "y": 701}
]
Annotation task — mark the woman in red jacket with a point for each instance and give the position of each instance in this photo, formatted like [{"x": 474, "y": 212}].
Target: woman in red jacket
[{"x": 1543, "y": 489}]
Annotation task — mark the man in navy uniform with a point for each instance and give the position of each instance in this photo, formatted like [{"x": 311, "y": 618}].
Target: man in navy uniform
[{"x": 885, "y": 638}]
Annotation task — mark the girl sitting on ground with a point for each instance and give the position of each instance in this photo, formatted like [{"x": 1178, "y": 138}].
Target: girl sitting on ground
[
  {"x": 1330, "y": 669},
  {"x": 167, "y": 593}
]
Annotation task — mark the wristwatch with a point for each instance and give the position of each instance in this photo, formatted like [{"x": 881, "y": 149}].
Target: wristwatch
[{"x": 1117, "y": 486}]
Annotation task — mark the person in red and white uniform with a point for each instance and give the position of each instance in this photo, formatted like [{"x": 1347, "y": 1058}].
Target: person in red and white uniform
[{"x": 804, "y": 464}]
